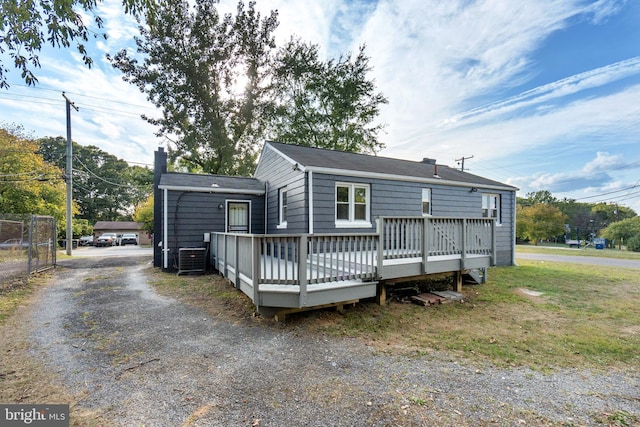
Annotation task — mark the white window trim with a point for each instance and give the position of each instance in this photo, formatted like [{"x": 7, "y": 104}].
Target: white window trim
[
  {"x": 498, "y": 200},
  {"x": 281, "y": 224},
  {"x": 351, "y": 222},
  {"x": 430, "y": 203}
]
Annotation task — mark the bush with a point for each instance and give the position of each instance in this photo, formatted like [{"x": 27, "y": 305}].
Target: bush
[{"x": 633, "y": 244}]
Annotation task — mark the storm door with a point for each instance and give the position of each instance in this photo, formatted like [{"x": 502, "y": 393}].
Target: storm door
[{"x": 238, "y": 217}]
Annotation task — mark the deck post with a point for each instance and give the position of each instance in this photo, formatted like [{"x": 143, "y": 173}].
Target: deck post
[
  {"x": 381, "y": 294},
  {"x": 225, "y": 246},
  {"x": 302, "y": 269},
  {"x": 425, "y": 244},
  {"x": 236, "y": 267},
  {"x": 458, "y": 281},
  {"x": 493, "y": 243},
  {"x": 256, "y": 262},
  {"x": 463, "y": 244},
  {"x": 380, "y": 248}
]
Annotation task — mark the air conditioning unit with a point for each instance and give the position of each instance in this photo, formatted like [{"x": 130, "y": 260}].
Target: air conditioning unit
[{"x": 192, "y": 260}]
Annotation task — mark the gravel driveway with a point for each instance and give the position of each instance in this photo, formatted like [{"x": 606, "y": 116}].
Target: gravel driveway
[{"x": 148, "y": 360}]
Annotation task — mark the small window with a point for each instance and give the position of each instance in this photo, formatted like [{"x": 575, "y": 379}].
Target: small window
[
  {"x": 352, "y": 205},
  {"x": 282, "y": 208},
  {"x": 491, "y": 206},
  {"x": 426, "y": 201}
]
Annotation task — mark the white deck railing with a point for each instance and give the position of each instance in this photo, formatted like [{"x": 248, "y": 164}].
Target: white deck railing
[
  {"x": 429, "y": 237},
  {"x": 301, "y": 259}
]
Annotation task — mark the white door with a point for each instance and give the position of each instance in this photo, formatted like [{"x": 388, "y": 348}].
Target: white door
[{"x": 238, "y": 217}]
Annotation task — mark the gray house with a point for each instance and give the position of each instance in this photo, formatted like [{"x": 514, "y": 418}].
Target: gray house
[
  {"x": 312, "y": 190},
  {"x": 317, "y": 227},
  {"x": 188, "y": 207}
]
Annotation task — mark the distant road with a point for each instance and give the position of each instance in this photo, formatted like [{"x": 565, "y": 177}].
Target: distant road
[
  {"x": 590, "y": 260},
  {"x": 112, "y": 251}
]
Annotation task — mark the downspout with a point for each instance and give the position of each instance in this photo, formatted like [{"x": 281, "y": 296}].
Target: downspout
[
  {"x": 165, "y": 232},
  {"x": 310, "y": 177}
]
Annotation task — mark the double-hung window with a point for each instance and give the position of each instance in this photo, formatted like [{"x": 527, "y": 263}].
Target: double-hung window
[
  {"x": 282, "y": 208},
  {"x": 352, "y": 205},
  {"x": 491, "y": 206}
]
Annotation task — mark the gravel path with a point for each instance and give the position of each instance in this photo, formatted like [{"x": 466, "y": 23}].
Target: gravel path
[{"x": 148, "y": 360}]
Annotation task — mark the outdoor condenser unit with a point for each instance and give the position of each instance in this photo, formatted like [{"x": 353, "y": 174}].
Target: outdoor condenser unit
[{"x": 192, "y": 260}]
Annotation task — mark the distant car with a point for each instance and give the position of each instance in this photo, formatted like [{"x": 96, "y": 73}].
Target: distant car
[
  {"x": 14, "y": 244},
  {"x": 86, "y": 241},
  {"x": 107, "y": 239},
  {"x": 128, "y": 239}
]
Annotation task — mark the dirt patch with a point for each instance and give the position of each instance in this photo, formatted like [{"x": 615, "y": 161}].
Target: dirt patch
[
  {"x": 535, "y": 296},
  {"x": 632, "y": 330}
]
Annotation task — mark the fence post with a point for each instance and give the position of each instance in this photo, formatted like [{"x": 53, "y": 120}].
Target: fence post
[
  {"x": 30, "y": 246},
  {"x": 54, "y": 247},
  {"x": 302, "y": 269}
]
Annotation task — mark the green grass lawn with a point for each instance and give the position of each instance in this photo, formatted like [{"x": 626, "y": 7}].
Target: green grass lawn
[{"x": 581, "y": 317}]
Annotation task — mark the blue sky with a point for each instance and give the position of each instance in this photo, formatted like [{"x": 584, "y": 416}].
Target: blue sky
[{"x": 544, "y": 94}]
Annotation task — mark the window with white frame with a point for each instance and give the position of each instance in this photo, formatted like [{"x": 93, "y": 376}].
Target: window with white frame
[
  {"x": 426, "y": 201},
  {"x": 352, "y": 205},
  {"x": 491, "y": 206},
  {"x": 282, "y": 207}
]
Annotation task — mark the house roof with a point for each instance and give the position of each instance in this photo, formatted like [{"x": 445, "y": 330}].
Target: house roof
[
  {"x": 118, "y": 225},
  {"x": 354, "y": 164},
  {"x": 211, "y": 183}
]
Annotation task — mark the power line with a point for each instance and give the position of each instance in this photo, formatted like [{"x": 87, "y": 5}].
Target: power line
[
  {"x": 128, "y": 185},
  {"x": 610, "y": 192},
  {"x": 82, "y": 95}
]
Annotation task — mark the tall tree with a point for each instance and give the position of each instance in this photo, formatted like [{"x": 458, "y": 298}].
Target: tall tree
[
  {"x": 207, "y": 73},
  {"x": 28, "y": 184},
  {"x": 144, "y": 213},
  {"x": 622, "y": 231},
  {"x": 325, "y": 104},
  {"x": 28, "y": 25},
  {"x": 105, "y": 187},
  {"x": 538, "y": 222}
]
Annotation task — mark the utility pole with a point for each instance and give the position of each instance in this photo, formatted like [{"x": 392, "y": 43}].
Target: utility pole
[
  {"x": 68, "y": 176},
  {"x": 461, "y": 162}
]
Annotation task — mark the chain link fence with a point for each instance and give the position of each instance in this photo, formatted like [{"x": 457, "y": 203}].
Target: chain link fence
[{"x": 27, "y": 245}]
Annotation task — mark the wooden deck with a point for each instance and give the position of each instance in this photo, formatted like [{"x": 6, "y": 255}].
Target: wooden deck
[{"x": 300, "y": 271}]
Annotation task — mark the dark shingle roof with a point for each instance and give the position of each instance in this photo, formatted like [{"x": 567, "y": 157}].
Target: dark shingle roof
[
  {"x": 329, "y": 159},
  {"x": 118, "y": 225},
  {"x": 219, "y": 182}
]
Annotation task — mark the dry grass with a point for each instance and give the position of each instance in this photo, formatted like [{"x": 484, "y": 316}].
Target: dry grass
[
  {"x": 583, "y": 317},
  {"x": 23, "y": 378},
  {"x": 575, "y": 316}
]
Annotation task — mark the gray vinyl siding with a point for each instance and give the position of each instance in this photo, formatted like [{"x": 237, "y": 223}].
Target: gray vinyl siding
[
  {"x": 278, "y": 173},
  {"x": 505, "y": 232},
  {"x": 191, "y": 214},
  {"x": 396, "y": 198}
]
